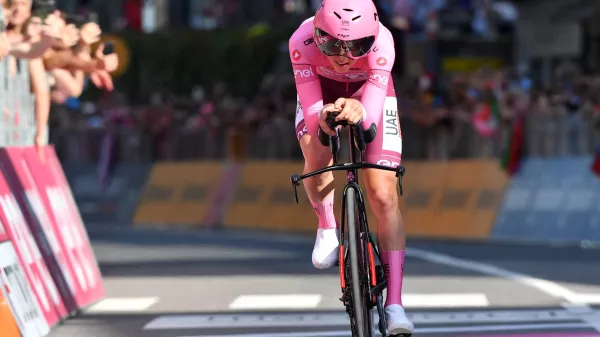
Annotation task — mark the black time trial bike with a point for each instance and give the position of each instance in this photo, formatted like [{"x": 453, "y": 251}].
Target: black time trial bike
[{"x": 361, "y": 272}]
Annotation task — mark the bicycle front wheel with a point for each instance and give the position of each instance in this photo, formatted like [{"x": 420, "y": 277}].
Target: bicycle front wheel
[{"x": 361, "y": 316}]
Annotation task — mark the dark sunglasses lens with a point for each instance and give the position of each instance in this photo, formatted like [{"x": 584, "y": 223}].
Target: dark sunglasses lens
[{"x": 360, "y": 47}]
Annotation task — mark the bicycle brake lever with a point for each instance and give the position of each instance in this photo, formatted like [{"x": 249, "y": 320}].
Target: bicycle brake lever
[
  {"x": 400, "y": 186},
  {"x": 400, "y": 174},
  {"x": 295, "y": 183}
]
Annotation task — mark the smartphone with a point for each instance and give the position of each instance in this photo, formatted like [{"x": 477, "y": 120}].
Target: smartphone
[{"x": 109, "y": 48}]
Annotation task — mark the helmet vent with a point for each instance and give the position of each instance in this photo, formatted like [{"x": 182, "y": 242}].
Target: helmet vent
[
  {"x": 356, "y": 18},
  {"x": 338, "y": 16}
]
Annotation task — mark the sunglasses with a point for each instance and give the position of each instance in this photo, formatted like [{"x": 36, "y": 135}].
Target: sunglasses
[{"x": 332, "y": 46}]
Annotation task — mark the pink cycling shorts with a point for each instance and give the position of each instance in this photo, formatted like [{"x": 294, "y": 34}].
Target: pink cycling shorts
[{"x": 386, "y": 149}]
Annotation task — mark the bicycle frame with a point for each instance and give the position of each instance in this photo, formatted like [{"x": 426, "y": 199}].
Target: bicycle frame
[
  {"x": 356, "y": 135},
  {"x": 357, "y": 148}
]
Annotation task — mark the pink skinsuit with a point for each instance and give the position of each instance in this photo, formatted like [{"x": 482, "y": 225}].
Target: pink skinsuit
[{"x": 369, "y": 80}]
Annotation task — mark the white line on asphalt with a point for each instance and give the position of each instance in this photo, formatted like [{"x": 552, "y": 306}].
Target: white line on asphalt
[
  {"x": 440, "y": 330},
  {"x": 122, "y": 304},
  {"x": 340, "y": 319},
  {"x": 291, "y": 301},
  {"x": 311, "y": 301},
  {"x": 588, "y": 298},
  {"x": 444, "y": 300},
  {"x": 551, "y": 288}
]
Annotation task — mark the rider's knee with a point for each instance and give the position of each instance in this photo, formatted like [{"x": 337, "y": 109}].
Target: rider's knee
[
  {"x": 382, "y": 193},
  {"x": 314, "y": 152}
]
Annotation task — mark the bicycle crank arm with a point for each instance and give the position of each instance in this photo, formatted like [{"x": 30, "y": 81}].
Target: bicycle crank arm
[
  {"x": 382, "y": 320},
  {"x": 378, "y": 289}
]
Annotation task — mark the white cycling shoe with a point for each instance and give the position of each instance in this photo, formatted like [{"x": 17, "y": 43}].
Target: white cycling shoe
[
  {"x": 397, "y": 322},
  {"x": 326, "y": 251}
]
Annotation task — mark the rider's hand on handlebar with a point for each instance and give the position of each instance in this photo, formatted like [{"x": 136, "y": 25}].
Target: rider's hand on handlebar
[
  {"x": 327, "y": 109},
  {"x": 350, "y": 109}
]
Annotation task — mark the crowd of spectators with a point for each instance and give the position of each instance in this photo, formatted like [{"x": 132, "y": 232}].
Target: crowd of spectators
[
  {"x": 437, "y": 119},
  {"x": 46, "y": 56},
  {"x": 438, "y": 112}
]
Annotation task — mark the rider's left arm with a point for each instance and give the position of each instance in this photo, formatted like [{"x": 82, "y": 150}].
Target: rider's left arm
[{"x": 374, "y": 95}]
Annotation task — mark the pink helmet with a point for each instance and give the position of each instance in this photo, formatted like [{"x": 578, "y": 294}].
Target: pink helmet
[{"x": 352, "y": 21}]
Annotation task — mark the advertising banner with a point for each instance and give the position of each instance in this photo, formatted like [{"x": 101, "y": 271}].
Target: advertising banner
[
  {"x": 34, "y": 267},
  {"x": 19, "y": 295},
  {"x": 7, "y": 321},
  {"x": 30, "y": 229},
  {"x": 456, "y": 199},
  {"x": 58, "y": 201},
  {"x": 179, "y": 194}
]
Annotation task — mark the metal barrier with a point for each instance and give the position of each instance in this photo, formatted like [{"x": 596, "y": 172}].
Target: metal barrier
[
  {"x": 273, "y": 139},
  {"x": 557, "y": 133},
  {"x": 18, "y": 113},
  {"x": 550, "y": 133}
]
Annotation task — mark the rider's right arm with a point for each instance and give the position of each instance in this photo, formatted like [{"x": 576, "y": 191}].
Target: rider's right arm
[{"x": 307, "y": 82}]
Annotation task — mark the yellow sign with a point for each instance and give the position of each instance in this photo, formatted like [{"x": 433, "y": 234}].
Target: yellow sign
[
  {"x": 264, "y": 199},
  {"x": 122, "y": 51},
  {"x": 179, "y": 193},
  {"x": 442, "y": 199},
  {"x": 457, "y": 199},
  {"x": 470, "y": 64}
]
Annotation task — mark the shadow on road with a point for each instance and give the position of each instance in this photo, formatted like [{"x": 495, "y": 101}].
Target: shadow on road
[{"x": 128, "y": 251}]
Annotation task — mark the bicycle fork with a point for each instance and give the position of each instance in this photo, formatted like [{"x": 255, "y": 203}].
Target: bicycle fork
[{"x": 376, "y": 279}]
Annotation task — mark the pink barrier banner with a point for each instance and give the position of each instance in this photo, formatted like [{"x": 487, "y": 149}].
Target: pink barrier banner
[
  {"x": 21, "y": 298},
  {"x": 3, "y": 234},
  {"x": 56, "y": 196},
  {"x": 41, "y": 223},
  {"x": 24, "y": 240},
  {"x": 96, "y": 292}
]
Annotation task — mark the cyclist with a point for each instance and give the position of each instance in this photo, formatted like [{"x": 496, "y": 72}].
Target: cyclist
[{"x": 342, "y": 59}]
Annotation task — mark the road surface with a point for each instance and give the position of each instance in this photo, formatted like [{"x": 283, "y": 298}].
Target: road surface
[{"x": 173, "y": 283}]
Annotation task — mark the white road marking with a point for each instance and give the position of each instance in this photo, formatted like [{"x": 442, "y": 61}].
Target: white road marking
[
  {"x": 444, "y": 300},
  {"x": 588, "y": 298},
  {"x": 292, "y": 301},
  {"x": 311, "y": 301},
  {"x": 551, "y": 288},
  {"x": 122, "y": 304},
  {"x": 172, "y": 322},
  {"x": 340, "y": 319},
  {"x": 436, "y": 330}
]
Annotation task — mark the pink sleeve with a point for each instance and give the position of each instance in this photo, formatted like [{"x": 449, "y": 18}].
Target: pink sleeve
[
  {"x": 381, "y": 60},
  {"x": 374, "y": 95},
  {"x": 308, "y": 88},
  {"x": 308, "y": 85}
]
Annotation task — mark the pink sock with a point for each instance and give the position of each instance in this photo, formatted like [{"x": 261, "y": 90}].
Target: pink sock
[
  {"x": 393, "y": 266},
  {"x": 325, "y": 213}
]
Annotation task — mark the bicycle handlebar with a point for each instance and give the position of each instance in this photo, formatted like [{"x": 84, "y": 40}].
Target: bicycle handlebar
[
  {"x": 400, "y": 170},
  {"x": 363, "y": 136}
]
